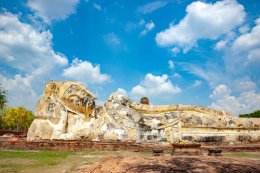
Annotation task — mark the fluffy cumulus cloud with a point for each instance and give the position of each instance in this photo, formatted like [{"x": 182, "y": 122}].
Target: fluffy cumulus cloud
[
  {"x": 241, "y": 59},
  {"x": 50, "y": 10},
  {"x": 220, "y": 91},
  {"x": 121, "y": 91},
  {"x": 30, "y": 61},
  {"x": 242, "y": 64},
  {"x": 29, "y": 55},
  {"x": 237, "y": 69},
  {"x": 86, "y": 72},
  {"x": 240, "y": 72},
  {"x": 245, "y": 102},
  {"x": 244, "y": 29},
  {"x": 155, "y": 87},
  {"x": 19, "y": 42},
  {"x": 248, "y": 45},
  {"x": 20, "y": 91},
  {"x": 212, "y": 18}
]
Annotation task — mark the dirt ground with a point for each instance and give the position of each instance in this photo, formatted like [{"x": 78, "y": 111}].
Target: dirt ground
[
  {"x": 205, "y": 164},
  {"x": 22, "y": 161}
]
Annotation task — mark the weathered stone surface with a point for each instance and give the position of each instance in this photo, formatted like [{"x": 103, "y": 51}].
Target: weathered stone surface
[{"x": 67, "y": 111}]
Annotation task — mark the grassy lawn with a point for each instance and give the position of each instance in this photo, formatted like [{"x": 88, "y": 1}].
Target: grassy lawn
[
  {"x": 64, "y": 161},
  {"x": 53, "y": 161},
  {"x": 255, "y": 155},
  {"x": 13, "y": 161}
]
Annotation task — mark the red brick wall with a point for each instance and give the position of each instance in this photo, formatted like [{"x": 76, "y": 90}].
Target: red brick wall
[{"x": 109, "y": 146}]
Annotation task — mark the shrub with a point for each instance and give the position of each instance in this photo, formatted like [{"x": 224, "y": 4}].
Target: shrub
[
  {"x": 255, "y": 114},
  {"x": 17, "y": 119}
]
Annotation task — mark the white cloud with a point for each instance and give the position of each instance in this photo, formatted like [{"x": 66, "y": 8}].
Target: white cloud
[
  {"x": 148, "y": 27},
  {"x": 222, "y": 96},
  {"x": 244, "y": 29},
  {"x": 211, "y": 74},
  {"x": 155, "y": 87},
  {"x": 233, "y": 78},
  {"x": 171, "y": 64},
  {"x": 196, "y": 83},
  {"x": 240, "y": 61},
  {"x": 253, "y": 57},
  {"x": 221, "y": 44},
  {"x": 244, "y": 85},
  {"x": 212, "y": 18},
  {"x": 20, "y": 91},
  {"x": 50, "y": 10},
  {"x": 177, "y": 75},
  {"x": 251, "y": 99},
  {"x": 142, "y": 24},
  {"x": 226, "y": 41},
  {"x": 19, "y": 42},
  {"x": 114, "y": 41},
  {"x": 85, "y": 72},
  {"x": 33, "y": 62},
  {"x": 246, "y": 102},
  {"x": 229, "y": 104},
  {"x": 121, "y": 91},
  {"x": 220, "y": 91},
  {"x": 30, "y": 54},
  {"x": 130, "y": 26},
  {"x": 152, "y": 6},
  {"x": 175, "y": 50},
  {"x": 242, "y": 56},
  {"x": 248, "y": 45},
  {"x": 248, "y": 41},
  {"x": 97, "y": 6},
  {"x": 112, "y": 38}
]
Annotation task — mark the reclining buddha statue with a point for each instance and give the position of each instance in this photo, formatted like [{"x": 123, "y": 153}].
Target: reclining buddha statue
[{"x": 67, "y": 111}]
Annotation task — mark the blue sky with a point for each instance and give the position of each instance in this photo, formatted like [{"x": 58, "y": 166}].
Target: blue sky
[{"x": 175, "y": 52}]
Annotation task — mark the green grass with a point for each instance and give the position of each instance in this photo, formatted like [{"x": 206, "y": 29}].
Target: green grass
[
  {"x": 243, "y": 155},
  {"x": 10, "y": 167},
  {"x": 53, "y": 161},
  {"x": 15, "y": 160}
]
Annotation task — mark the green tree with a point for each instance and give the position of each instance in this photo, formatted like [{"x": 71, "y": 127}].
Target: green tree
[
  {"x": 255, "y": 114},
  {"x": 2, "y": 113},
  {"x": 3, "y": 99},
  {"x": 18, "y": 119}
]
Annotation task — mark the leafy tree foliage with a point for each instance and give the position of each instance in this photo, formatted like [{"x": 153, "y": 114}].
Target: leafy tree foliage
[
  {"x": 3, "y": 99},
  {"x": 17, "y": 119},
  {"x": 255, "y": 114}
]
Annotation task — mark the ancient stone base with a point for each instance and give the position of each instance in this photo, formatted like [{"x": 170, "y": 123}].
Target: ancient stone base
[
  {"x": 187, "y": 152},
  {"x": 108, "y": 146}
]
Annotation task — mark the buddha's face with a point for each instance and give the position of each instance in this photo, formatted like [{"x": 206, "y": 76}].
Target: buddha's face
[
  {"x": 72, "y": 96},
  {"x": 78, "y": 99}
]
